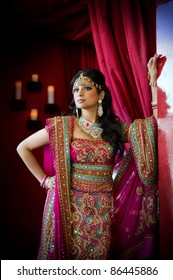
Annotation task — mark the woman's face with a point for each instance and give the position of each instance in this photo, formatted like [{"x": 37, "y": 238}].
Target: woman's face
[{"x": 85, "y": 96}]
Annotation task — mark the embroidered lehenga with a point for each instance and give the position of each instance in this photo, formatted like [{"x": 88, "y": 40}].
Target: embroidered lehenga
[{"x": 89, "y": 215}]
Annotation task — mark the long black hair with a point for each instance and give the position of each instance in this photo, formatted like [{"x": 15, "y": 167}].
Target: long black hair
[{"x": 109, "y": 122}]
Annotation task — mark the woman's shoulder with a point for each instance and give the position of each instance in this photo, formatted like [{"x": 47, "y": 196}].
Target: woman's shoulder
[
  {"x": 62, "y": 122},
  {"x": 56, "y": 118}
]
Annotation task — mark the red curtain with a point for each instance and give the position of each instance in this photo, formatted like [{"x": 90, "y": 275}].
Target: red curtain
[
  {"x": 124, "y": 35},
  {"x": 60, "y": 19}
]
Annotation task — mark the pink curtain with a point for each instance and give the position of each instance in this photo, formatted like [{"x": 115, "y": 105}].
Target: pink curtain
[{"x": 125, "y": 38}]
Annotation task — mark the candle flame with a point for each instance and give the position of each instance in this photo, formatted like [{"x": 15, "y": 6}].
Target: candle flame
[{"x": 34, "y": 114}]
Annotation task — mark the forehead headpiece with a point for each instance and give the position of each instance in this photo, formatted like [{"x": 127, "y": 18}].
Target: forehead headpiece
[{"x": 82, "y": 80}]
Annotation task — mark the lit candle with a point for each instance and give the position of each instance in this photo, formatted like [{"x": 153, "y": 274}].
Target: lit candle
[
  {"x": 34, "y": 77},
  {"x": 50, "y": 94},
  {"x": 18, "y": 90},
  {"x": 34, "y": 114}
]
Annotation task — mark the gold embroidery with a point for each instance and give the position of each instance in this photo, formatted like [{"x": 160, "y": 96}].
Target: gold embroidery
[
  {"x": 100, "y": 152},
  {"x": 147, "y": 215},
  {"x": 91, "y": 218},
  {"x": 59, "y": 144}
]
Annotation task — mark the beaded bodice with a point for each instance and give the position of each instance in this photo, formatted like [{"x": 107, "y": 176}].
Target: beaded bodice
[
  {"x": 96, "y": 152},
  {"x": 92, "y": 165}
]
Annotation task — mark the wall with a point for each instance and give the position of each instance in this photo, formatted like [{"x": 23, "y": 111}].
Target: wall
[{"x": 22, "y": 199}]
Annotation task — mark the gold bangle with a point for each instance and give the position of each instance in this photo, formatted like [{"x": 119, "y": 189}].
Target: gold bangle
[
  {"x": 43, "y": 181},
  {"x": 46, "y": 182},
  {"x": 153, "y": 84}
]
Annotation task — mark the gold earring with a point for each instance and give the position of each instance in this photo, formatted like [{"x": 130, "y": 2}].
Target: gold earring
[{"x": 100, "y": 108}]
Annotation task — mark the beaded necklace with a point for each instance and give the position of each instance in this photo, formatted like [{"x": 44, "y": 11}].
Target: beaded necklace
[{"x": 92, "y": 130}]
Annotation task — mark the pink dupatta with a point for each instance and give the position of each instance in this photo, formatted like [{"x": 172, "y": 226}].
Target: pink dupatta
[
  {"x": 135, "y": 228},
  {"x": 56, "y": 227}
]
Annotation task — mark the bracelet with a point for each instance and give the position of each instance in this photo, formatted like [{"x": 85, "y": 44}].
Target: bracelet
[
  {"x": 153, "y": 84},
  {"x": 48, "y": 182},
  {"x": 154, "y": 107},
  {"x": 45, "y": 186},
  {"x": 42, "y": 184}
]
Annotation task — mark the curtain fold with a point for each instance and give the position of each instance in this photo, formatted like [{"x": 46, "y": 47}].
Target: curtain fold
[
  {"x": 62, "y": 19},
  {"x": 125, "y": 36}
]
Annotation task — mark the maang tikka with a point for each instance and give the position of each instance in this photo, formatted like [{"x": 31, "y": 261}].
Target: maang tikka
[
  {"x": 100, "y": 108},
  {"x": 82, "y": 80}
]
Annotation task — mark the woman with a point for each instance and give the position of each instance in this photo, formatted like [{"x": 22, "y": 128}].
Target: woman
[{"x": 81, "y": 204}]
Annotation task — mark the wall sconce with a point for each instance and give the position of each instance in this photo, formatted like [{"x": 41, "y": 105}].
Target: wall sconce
[
  {"x": 51, "y": 107},
  {"x": 17, "y": 103},
  {"x": 34, "y": 85},
  {"x": 33, "y": 123}
]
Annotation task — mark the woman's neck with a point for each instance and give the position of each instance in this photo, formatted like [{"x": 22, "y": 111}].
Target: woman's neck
[{"x": 89, "y": 116}]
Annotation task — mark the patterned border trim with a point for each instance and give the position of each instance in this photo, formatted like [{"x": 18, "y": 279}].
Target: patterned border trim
[
  {"x": 143, "y": 144},
  {"x": 46, "y": 249},
  {"x": 60, "y": 133},
  {"x": 123, "y": 168},
  {"x": 63, "y": 135},
  {"x": 94, "y": 167},
  {"x": 92, "y": 178}
]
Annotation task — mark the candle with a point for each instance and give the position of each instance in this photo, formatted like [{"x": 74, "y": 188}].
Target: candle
[
  {"x": 50, "y": 94},
  {"x": 34, "y": 77},
  {"x": 34, "y": 114},
  {"x": 18, "y": 90}
]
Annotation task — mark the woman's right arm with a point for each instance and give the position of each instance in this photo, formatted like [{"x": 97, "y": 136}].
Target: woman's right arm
[
  {"x": 25, "y": 148},
  {"x": 153, "y": 72}
]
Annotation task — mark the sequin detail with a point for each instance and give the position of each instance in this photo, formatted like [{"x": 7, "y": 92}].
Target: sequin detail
[
  {"x": 91, "y": 198},
  {"x": 91, "y": 224}
]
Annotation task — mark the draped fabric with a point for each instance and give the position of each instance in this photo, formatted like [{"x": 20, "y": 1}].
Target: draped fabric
[
  {"x": 124, "y": 35},
  {"x": 124, "y": 38},
  {"x": 56, "y": 224},
  {"x": 135, "y": 228},
  {"x": 60, "y": 19}
]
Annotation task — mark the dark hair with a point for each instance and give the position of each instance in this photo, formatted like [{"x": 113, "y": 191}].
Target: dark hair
[{"x": 110, "y": 123}]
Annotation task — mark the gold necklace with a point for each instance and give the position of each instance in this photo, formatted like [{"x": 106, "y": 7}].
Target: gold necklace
[{"x": 92, "y": 130}]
